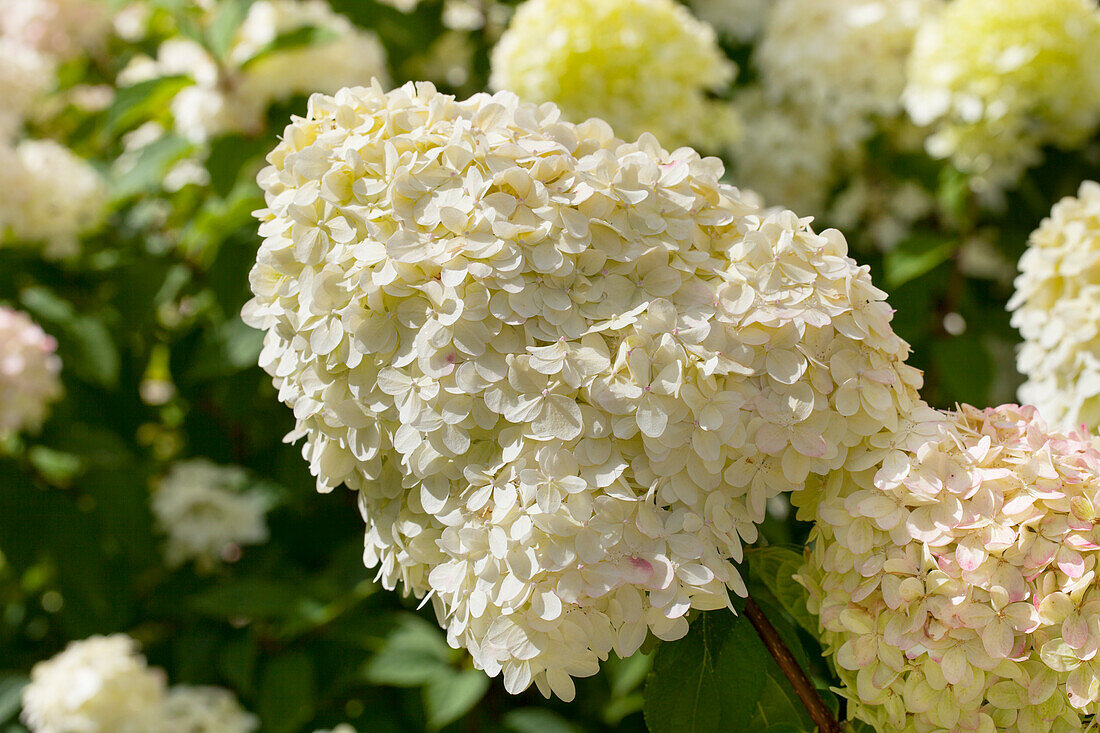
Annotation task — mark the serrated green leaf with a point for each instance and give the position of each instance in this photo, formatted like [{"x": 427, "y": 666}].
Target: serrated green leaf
[
  {"x": 447, "y": 697},
  {"x": 287, "y": 693},
  {"x": 707, "y": 681}
]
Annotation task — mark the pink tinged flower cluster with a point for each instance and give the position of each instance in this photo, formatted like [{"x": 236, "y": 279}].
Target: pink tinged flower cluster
[
  {"x": 564, "y": 372},
  {"x": 956, "y": 580},
  {"x": 29, "y": 369}
]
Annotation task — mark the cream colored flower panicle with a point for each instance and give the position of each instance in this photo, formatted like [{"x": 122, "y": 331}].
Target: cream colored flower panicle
[
  {"x": 98, "y": 685},
  {"x": 29, "y": 370},
  {"x": 58, "y": 28},
  {"x": 564, "y": 372},
  {"x": 998, "y": 79},
  {"x": 206, "y": 512},
  {"x": 234, "y": 96},
  {"x": 24, "y": 75},
  {"x": 956, "y": 580},
  {"x": 842, "y": 61},
  {"x": 1057, "y": 310},
  {"x": 36, "y": 210},
  {"x": 188, "y": 709},
  {"x": 641, "y": 65}
]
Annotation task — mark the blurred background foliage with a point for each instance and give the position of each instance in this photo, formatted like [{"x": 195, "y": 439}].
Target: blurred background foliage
[{"x": 159, "y": 367}]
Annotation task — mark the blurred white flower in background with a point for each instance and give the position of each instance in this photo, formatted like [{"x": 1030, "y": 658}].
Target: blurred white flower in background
[
  {"x": 234, "y": 96},
  {"x": 188, "y": 709},
  {"x": 955, "y": 580},
  {"x": 842, "y": 61},
  {"x": 25, "y": 75},
  {"x": 52, "y": 197},
  {"x": 98, "y": 685},
  {"x": 207, "y": 511},
  {"x": 342, "y": 728},
  {"x": 58, "y": 28},
  {"x": 738, "y": 19},
  {"x": 996, "y": 80},
  {"x": 1057, "y": 311},
  {"x": 564, "y": 372},
  {"x": 641, "y": 65},
  {"x": 29, "y": 373}
]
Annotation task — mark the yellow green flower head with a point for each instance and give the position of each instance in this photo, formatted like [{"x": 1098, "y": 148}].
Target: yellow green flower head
[
  {"x": 999, "y": 79},
  {"x": 1057, "y": 310},
  {"x": 955, "y": 580},
  {"x": 641, "y": 65}
]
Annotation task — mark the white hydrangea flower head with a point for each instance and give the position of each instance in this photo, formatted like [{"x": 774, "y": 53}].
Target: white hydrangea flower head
[
  {"x": 205, "y": 510},
  {"x": 998, "y": 79},
  {"x": 29, "y": 372},
  {"x": 24, "y": 76},
  {"x": 58, "y": 28},
  {"x": 235, "y": 96},
  {"x": 956, "y": 579},
  {"x": 641, "y": 65},
  {"x": 564, "y": 372},
  {"x": 36, "y": 210},
  {"x": 738, "y": 19},
  {"x": 1056, "y": 308},
  {"x": 98, "y": 685},
  {"x": 188, "y": 709},
  {"x": 785, "y": 156},
  {"x": 843, "y": 61}
]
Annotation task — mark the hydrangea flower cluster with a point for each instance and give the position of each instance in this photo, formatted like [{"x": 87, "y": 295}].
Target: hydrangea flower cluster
[
  {"x": 98, "y": 685},
  {"x": 206, "y": 512},
  {"x": 29, "y": 369},
  {"x": 641, "y": 65},
  {"x": 36, "y": 210},
  {"x": 233, "y": 96},
  {"x": 1055, "y": 309},
  {"x": 841, "y": 60},
  {"x": 57, "y": 28},
  {"x": 999, "y": 79},
  {"x": 103, "y": 685},
  {"x": 956, "y": 580},
  {"x": 564, "y": 372},
  {"x": 24, "y": 75}
]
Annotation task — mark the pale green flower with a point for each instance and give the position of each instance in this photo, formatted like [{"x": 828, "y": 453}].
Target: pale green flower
[{"x": 641, "y": 65}]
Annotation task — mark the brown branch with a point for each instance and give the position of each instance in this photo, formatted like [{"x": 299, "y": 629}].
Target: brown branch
[{"x": 805, "y": 690}]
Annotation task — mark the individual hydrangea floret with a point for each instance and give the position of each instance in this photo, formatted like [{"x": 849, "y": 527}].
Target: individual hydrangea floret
[
  {"x": 1056, "y": 308},
  {"x": 956, "y": 579},
  {"x": 188, "y": 709},
  {"x": 37, "y": 210},
  {"x": 564, "y": 372},
  {"x": 234, "y": 95},
  {"x": 207, "y": 512},
  {"x": 641, "y": 65},
  {"x": 98, "y": 685},
  {"x": 998, "y": 79},
  {"x": 842, "y": 61},
  {"x": 29, "y": 373}
]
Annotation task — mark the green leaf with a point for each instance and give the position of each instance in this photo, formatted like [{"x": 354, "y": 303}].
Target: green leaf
[
  {"x": 779, "y": 706},
  {"x": 287, "y": 693},
  {"x": 413, "y": 654},
  {"x": 537, "y": 720},
  {"x": 297, "y": 38},
  {"x": 251, "y": 598},
  {"x": 238, "y": 663},
  {"x": 84, "y": 343},
  {"x": 915, "y": 256},
  {"x": 709, "y": 680},
  {"x": 142, "y": 101},
  {"x": 223, "y": 29},
  {"x": 448, "y": 697},
  {"x": 776, "y": 567},
  {"x": 11, "y": 691},
  {"x": 148, "y": 171}
]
